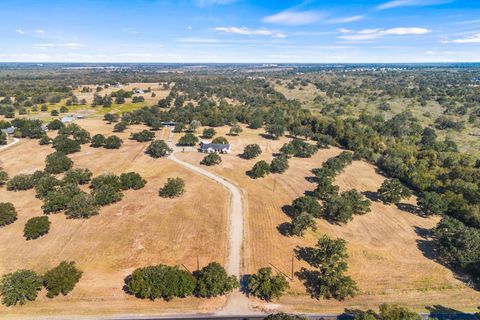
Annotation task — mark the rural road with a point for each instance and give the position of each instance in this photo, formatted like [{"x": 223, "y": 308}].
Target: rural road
[{"x": 15, "y": 141}]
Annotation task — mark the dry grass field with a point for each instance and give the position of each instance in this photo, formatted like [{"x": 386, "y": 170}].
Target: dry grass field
[
  {"x": 386, "y": 247},
  {"x": 139, "y": 230}
]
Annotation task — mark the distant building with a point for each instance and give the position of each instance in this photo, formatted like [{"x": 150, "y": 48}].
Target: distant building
[
  {"x": 215, "y": 147},
  {"x": 9, "y": 131},
  {"x": 168, "y": 123},
  {"x": 138, "y": 91},
  {"x": 67, "y": 119}
]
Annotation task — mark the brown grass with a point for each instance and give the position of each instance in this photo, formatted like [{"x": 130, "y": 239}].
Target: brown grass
[
  {"x": 384, "y": 245},
  {"x": 141, "y": 229}
]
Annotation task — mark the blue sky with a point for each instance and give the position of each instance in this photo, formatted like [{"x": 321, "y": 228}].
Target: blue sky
[{"x": 240, "y": 31}]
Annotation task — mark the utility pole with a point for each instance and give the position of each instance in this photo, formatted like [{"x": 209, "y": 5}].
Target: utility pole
[
  {"x": 274, "y": 183},
  {"x": 198, "y": 264},
  {"x": 293, "y": 257}
]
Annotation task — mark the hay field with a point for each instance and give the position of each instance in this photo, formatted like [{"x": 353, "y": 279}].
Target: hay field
[
  {"x": 385, "y": 245},
  {"x": 139, "y": 230}
]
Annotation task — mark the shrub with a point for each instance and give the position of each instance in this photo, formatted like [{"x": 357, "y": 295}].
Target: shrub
[
  {"x": 57, "y": 162},
  {"x": 208, "y": 133},
  {"x": 110, "y": 117},
  {"x": 160, "y": 281},
  {"x": 220, "y": 140},
  {"x": 235, "y": 130},
  {"x": 189, "y": 139},
  {"x": 55, "y": 125},
  {"x": 61, "y": 279},
  {"x": 279, "y": 164},
  {"x": 57, "y": 200},
  {"x": 54, "y": 113},
  {"x": 131, "y": 180},
  {"x": 211, "y": 159},
  {"x": 98, "y": 141},
  {"x": 19, "y": 287},
  {"x": 36, "y": 227},
  {"x": 251, "y": 151},
  {"x": 120, "y": 127},
  {"x": 8, "y": 214},
  {"x": 173, "y": 188},
  {"x": 214, "y": 281},
  {"x": 266, "y": 286},
  {"x": 158, "y": 148},
  {"x": 63, "y": 144},
  {"x": 45, "y": 185},
  {"x": 260, "y": 170},
  {"x": 20, "y": 182},
  {"x": 3, "y": 177},
  {"x": 284, "y": 316},
  {"x": 393, "y": 312},
  {"x": 44, "y": 140},
  {"x": 113, "y": 142},
  {"x": 78, "y": 176},
  {"x": 143, "y": 136},
  {"x": 82, "y": 205}
]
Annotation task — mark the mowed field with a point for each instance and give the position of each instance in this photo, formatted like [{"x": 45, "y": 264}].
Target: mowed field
[
  {"x": 142, "y": 229},
  {"x": 389, "y": 258}
]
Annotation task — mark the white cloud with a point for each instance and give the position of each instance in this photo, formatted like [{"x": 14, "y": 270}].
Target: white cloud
[
  {"x": 410, "y": 3},
  {"x": 474, "y": 38},
  {"x": 197, "y": 40},
  {"x": 294, "y": 18},
  {"x": 20, "y": 31},
  {"x": 40, "y": 31},
  {"x": 206, "y": 3},
  {"x": 68, "y": 45},
  {"x": 251, "y": 32},
  {"x": 130, "y": 30},
  {"x": 346, "y": 19},
  {"x": 370, "y": 34}
]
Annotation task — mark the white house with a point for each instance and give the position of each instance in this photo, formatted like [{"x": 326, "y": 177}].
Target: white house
[
  {"x": 67, "y": 119},
  {"x": 215, "y": 147},
  {"x": 9, "y": 131}
]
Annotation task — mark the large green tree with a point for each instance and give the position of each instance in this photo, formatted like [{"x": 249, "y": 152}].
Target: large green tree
[
  {"x": 267, "y": 286},
  {"x": 19, "y": 287},
  {"x": 214, "y": 281}
]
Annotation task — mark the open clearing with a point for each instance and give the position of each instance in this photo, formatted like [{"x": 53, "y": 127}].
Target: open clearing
[
  {"x": 141, "y": 229},
  {"x": 385, "y": 245}
]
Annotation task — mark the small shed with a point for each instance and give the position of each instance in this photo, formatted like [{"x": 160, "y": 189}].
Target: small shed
[
  {"x": 67, "y": 119},
  {"x": 9, "y": 131}
]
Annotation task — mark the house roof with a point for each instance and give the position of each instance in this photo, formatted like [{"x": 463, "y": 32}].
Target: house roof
[
  {"x": 68, "y": 119},
  {"x": 9, "y": 130},
  {"x": 215, "y": 146}
]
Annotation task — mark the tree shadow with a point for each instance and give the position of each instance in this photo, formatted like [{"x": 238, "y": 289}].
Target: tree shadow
[
  {"x": 285, "y": 229},
  {"x": 445, "y": 313},
  {"x": 306, "y": 254},
  {"x": 310, "y": 281},
  {"x": 311, "y": 179},
  {"x": 428, "y": 245},
  {"x": 371, "y": 195},
  {"x": 244, "y": 283},
  {"x": 267, "y": 136},
  {"x": 125, "y": 288},
  {"x": 309, "y": 193},
  {"x": 288, "y": 210},
  {"x": 410, "y": 208}
]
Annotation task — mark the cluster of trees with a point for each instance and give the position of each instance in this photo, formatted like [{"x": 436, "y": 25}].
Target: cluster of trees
[
  {"x": 111, "y": 142},
  {"x": 23, "y": 285},
  {"x": 168, "y": 282},
  {"x": 327, "y": 280},
  {"x": 143, "y": 136},
  {"x": 299, "y": 148},
  {"x": 70, "y": 138}
]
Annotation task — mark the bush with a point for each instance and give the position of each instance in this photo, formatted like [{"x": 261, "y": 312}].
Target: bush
[
  {"x": 284, "y": 316},
  {"x": 266, "y": 286},
  {"x": 251, "y": 151},
  {"x": 20, "y": 182},
  {"x": 394, "y": 312},
  {"x": 392, "y": 191},
  {"x": 113, "y": 142},
  {"x": 57, "y": 162},
  {"x": 158, "y": 148},
  {"x": 173, "y": 188},
  {"x": 45, "y": 185},
  {"x": 82, "y": 205},
  {"x": 235, "y": 130},
  {"x": 120, "y": 127},
  {"x": 61, "y": 279},
  {"x": 211, "y": 159},
  {"x": 143, "y": 136},
  {"x": 299, "y": 148},
  {"x": 3, "y": 177},
  {"x": 57, "y": 200},
  {"x": 78, "y": 176},
  {"x": 98, "y": 141},
  {"x": 110, "y": 117},
  {"x": 220, "y": 140},
  {"x": 19, "y": 287},
  {"x": 189, "y": 139},
  {"x": 160, "y": 281},
  {"x": 214, "y": 281},
  {"x": 55, "y": 125},
  {"x": 44, "y": 140},
  {"x": 63, "y": 144},
  {"x": 208, "y": 133},
  {"x": 279, "y": 164},
  {"x": 8, "y": 214},
  {"x": 54, "y": 113},
  {"x": 131, "y": 180},
  {"x": 260, "y": 170},
  {"x": 36, "y": 227}
]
